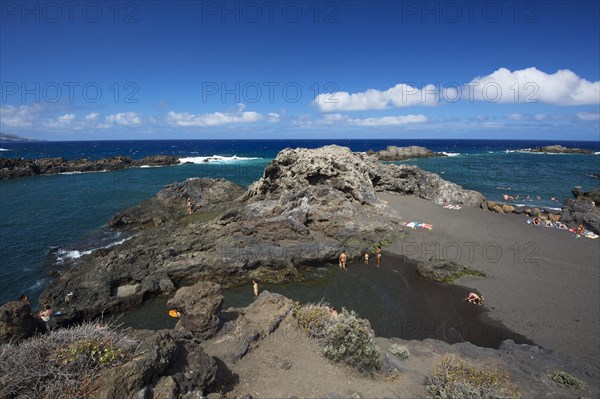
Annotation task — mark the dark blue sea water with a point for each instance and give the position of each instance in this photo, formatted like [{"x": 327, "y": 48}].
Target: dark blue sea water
[{"x": 66, "y": 215}]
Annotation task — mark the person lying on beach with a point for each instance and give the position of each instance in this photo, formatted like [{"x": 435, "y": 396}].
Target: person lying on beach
[
  {"x": 580, "y": 229},
  {"x": 537, "y": 221},
  {"x": 474, "y": 298},
  {"x": 366, "y": 258},
  {"x": 343, "y": 260}
]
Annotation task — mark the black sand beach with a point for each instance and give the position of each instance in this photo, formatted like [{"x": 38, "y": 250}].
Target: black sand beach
[{"x": 543, "y": 283}]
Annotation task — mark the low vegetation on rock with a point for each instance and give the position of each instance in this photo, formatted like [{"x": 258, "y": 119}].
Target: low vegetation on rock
[
  {"x": 452, "y": 377},
  {"x": 64, "y": 363},
  {"x": 345, "y": 338},
  {"x": 400, "y": 351},
  {"x": 565, "y": 379}
]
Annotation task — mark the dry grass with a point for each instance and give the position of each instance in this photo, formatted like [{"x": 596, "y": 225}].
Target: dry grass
[
  {"x": 63, "y": 363},
  {"x": 452, "y": 377}
]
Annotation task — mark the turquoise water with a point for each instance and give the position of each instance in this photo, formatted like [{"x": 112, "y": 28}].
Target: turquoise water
[{"x": 46, "y": 218}]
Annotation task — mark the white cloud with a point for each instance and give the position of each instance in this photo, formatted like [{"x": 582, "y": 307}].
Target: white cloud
[
  {"x": 389, "y": 120},
  {"x": 329, "y": 119},
  {"x": 22, "y": 116},
  {"x": 123, "y": 119},
  {"x": 91, "y": 117},
  {"x": 273, "y": 117},
  {"x": 531, "y": 85},
  {"x": 588, "y": 116},
  {"x": 516, "y": 117},
  {"x": 61, "y": 121},
  {"x": 401, "y": 95},
  {"x": 215, "y": 118}
]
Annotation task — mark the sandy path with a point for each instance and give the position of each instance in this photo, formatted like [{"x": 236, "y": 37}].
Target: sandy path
[{"x": 543, "y": 283}]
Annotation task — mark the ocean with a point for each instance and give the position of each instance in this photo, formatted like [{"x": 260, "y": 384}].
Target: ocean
[{"x": 47, "y": 219}]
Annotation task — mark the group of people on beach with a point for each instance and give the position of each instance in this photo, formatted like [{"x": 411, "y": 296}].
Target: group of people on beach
[
  {"x": 508, "y": 197},
  {"x": 343, "y": 258}
]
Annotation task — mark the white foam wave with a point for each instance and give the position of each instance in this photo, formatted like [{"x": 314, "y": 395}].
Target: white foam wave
[
  {"x": 4, "y": 149},
  {"x": 78, "y": 172},
  {"x": 215, "y": 159},
  {"x": 451, "y": 154},
  {"x": 597, "y": 153},
  {"x": 64, "y": 254},
  {"x": 519, "y": 150}
]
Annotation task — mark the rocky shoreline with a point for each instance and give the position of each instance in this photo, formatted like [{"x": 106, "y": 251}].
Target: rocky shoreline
[
  {"x": 13, "y": 168},
  {"x": 583, "y": 209},
  {"x": 394, "y": 153},
  {"x": 308, "y": 207}
]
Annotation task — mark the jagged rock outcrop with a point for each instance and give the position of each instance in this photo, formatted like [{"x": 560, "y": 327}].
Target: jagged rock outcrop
[
  {"x": 559, "y": 149},
  {"x": 17, "y": 323},
  {"x": 171, "y": 203},
  {"x": 11, "y": 168},
  {"x": 308, "y": 207},
  {"x": 584, "y": 209},
  {"x": 245, "y": 328},
  {"x": 199, "y": 306},
  {"x": 394, "y": 153},
  {"x": 166, "y": 361}
]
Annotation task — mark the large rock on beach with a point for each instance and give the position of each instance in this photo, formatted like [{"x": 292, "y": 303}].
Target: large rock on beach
[
  {"x": 309, "y": 205},
  {"x": 199, "y": 306},
  {"x": 584, "y": 209}
]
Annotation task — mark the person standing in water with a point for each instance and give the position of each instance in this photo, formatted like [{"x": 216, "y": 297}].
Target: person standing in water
[
  {"x": 378, "y": 254},
  {"x": 366, "y": 257},
  {"x": 343, "y": 260},
  {"x": 255, "y": 287}
]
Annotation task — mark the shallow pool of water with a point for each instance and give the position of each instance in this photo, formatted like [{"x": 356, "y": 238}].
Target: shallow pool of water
[{"x": 397, "y": 302}]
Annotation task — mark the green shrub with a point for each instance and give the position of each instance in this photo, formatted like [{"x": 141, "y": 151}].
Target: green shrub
[
  {"x": 567, "y": 380},
  {"x": 400, "y": 351},
  {"x": 65, "y": 363},
  {"x": 350, "y": 340},
  {"x": 313, "y": 318},
  {"x": 452, "y": 377}
]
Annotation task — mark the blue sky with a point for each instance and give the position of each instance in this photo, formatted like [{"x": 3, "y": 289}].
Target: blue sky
[{"x": 300, "y": 69}]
